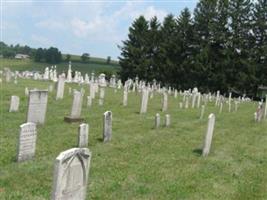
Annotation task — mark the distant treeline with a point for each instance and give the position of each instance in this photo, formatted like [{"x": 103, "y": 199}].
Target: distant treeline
[
  {"x": 222, "y": 46},
  {"x": 51, "y": 55}
]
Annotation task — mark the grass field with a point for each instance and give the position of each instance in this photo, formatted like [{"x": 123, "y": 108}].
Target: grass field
[
  {"x": 94, "y": 66},
  {"x": 140, "y": 162}
]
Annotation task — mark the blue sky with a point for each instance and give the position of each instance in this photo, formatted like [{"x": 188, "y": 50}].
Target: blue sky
[{"x": 76, "y": 27}]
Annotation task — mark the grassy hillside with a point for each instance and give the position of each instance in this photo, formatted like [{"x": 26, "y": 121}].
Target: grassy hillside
[
  {"x": 140, "y": 162},
  {"x": 94, "y": 66}
]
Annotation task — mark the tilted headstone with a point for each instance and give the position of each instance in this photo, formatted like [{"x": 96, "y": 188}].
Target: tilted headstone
[
  {"x": 71, "y": 172},
  {"x": 76, "y": 109},
  {"x": 209, "y": 134},
  {"x": 157, "y": 120},
  {"x": 27, "y": 142},
  {"x": 167, "y": 120},
  {"x": 14, "y": 104},
  {"x": 83, "y": 135},
  {"x": 37, "y": 105},
  {"x": 60, "y": 87},
  {"x": 107, "y": 126},
  {"x": 144, "y": 101}
]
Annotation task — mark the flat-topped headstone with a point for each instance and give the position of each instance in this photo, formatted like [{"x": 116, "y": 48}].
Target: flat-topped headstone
[
  {"x": 14, "y": 104},
  {"x": 107, "y": 126},
  {"x": 60, "y": 87},
  {"x": 71, "y": 172},
  {"x": 37, "y": 105},
  {"x": 167, "y": 120},
  {"x": 75, "y": 115},
  {"x": 209, "y": 134},
  {"x": 83, "y": 135},
  {"x": 157, "y": 120},
  {"x": 27, "y": 142}
]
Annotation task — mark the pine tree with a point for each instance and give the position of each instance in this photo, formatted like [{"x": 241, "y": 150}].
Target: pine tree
[
  {"x": 133, "y": 59},
  {"x": 259, "y": 52},
  {"x": 242, "y": 75}
]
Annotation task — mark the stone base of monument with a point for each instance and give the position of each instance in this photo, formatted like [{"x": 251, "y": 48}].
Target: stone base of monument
[{"x": 70, "y": 119}]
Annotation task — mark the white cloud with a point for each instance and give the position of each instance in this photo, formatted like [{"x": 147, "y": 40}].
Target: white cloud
[
  {"x": 51, "y": 24},
  {"x": 151, "y": 12}
]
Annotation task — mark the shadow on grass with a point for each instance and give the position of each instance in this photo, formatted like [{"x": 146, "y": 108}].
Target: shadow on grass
[
  {"x": 100, "y": 140},
  {"x": 197, "y": 152}
]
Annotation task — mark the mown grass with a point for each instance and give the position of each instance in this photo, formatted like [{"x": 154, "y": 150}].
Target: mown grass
[
  {"x": 27, "y": 64},
  {"x": 140, "y": 162}
]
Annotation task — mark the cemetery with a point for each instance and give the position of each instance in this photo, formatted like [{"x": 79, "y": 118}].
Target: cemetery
[
  {"x": 138, "y": 102},
  {"x": 201, "y": 146}
]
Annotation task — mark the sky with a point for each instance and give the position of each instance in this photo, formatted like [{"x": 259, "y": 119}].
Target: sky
[{"x": 76, "y": 27}]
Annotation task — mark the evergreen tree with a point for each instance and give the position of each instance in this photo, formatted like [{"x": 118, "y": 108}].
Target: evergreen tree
[{"x": 134, "y": 51}]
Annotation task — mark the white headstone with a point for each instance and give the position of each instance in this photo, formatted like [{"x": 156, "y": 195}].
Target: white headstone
[
  {"x": 167, "y": 120},
  {"x": 60, "y": 87},
  {"x": 83, "y": 135},
  {"x": 107, "y": 126},
  {"x": 37, "y": 105},
  {"x": 144, "y": 101},
  {"x": 125, "y": 97},
  {"x": 14, "y": 104},
  {"x": 76, "y": 104},
  {"x": 165, "y": 102},
  {"x": 157, "y": 120},
  {"x": 209, "y": 134},
  {"x": 202, "y": 111},
  {"x": 27, "y": 142},
  {"x": 71, "y": 172}
]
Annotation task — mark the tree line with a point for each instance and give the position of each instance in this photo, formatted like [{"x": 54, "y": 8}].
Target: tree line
[{"x": 222, "y": 46}]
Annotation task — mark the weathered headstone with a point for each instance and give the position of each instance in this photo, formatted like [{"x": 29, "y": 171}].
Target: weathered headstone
[
  {"x": 107, "y": 126},
  {"x": 202, "y": 111},
  {"x": 14, "y": 104},
  {"x": 60, "y": 87},
  {"x": 27, "y": 142},
  {"x": 71, "y": 172},
  {"x": 89, "y": 101},
  {"x": 165, "y": 102},
  {"x": 83, "y": 135},
  {"x": 157, "y": 120},
  {"x": 125, "y": 97},
  {"x": 209, "y": 134},
  {"x": 75, "y": 115},
  {"x": 144, "y": 101},
  {"x": 37, "y": 105},
  {"x": 167, "y": 120}
]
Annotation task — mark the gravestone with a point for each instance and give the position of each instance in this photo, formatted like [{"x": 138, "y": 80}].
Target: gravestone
[
  {"x": 37, "y": 105},
  {"x": 75, "y": 115},
  {"x": 181, "y": 105},
  {"x": 107, "y": 126},
  {"x": 202, "y": 111},
  {"x": 157, "y": 120},
  {"x": 71, "y": 172},
  {"x": 101, "y": 96},
  {"x": 167, "y": 120},
  {"x": 144, "y": 101},
  {"x": 209, "y": 134},
  {"x": 165, "y": 102},
  {"x": 27, "y": 142},
  {"x": 60, "y": 87},
  {"x": 89, "y": 101},
  {"x": 221, "y": 107},
  {"x": 83, "y": 135},
  {"x": 125, "y": 97},
  {"x": 14, "y": 104}
]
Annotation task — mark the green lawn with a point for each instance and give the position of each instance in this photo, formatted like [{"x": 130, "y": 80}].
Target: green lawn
[
  {"x": 140, "y": 162},
  {"x": 22, "y": 65}
]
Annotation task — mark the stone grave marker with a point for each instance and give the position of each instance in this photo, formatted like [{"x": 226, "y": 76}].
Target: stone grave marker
[
  {"x": 209, "y": 134},
  {"x": 157, "y": 120},
  {"x": 83, "y": 135},
  {"x": 75, "y": 115},
  {"x": 107, "y": 126},
  {"x": 37, "y": 105},
  {"x": 202, "y": 111},
  {"x": 27, "y": 141},
  {"x": 14, "y": 104},
  {"x": 165, "y": 102},
  {"x": 167, "y": 120},
  {"x": 144, "y": 101},
  {"x": 71, "y": 172},
  {"x": 60, "y": 87}
]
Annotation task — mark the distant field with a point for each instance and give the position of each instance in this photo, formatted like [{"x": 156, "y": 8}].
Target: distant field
[{"x": 96, "y": 66}]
